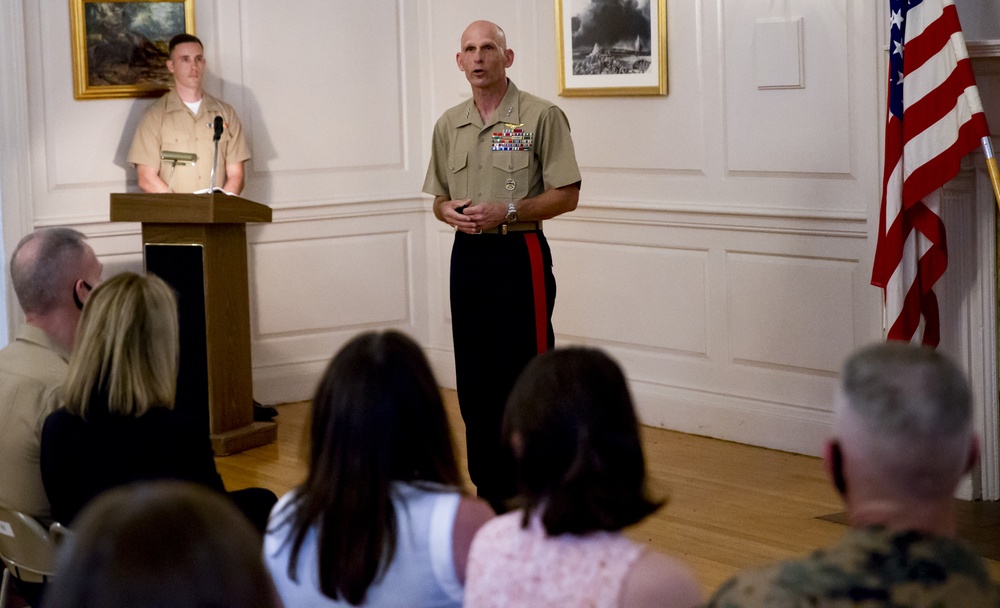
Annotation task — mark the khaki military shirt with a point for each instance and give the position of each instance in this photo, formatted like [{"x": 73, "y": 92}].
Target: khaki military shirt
[
  {"x": 870, "y": 568},
  {"x": 169, "y": 125},
  {"x": 523, "y": 151},
  {"x": 31, "y": 371}
]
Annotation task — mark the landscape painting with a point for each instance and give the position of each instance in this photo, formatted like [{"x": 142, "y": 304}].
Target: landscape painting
[
  {"x": 612, "y": 47},
  {"x": 120, "y": 49}
]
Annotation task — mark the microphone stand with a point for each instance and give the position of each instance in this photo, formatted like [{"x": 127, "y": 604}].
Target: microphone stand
[{"x": 215, "y": 160}]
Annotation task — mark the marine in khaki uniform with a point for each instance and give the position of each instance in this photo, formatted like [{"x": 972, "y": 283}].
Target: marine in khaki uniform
[
  {"x": 501, "y": 162},
  {"x": 53, "y": 271},
  {"x": 183, "y": 121},
  {"x": 903, "y": 439}
]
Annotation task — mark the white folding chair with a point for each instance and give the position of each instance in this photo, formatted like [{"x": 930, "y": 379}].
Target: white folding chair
[{"x": 26, "y": 549}]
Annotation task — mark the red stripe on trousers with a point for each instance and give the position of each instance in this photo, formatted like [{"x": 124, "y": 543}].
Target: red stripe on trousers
[{"x": 538, "y": 288}]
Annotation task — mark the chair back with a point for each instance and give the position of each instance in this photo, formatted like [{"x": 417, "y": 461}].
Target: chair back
[{"x": 26, "y": 548}]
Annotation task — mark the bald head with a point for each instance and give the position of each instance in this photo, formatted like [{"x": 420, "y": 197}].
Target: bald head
[
  {"x": 485, "y": 30},
  {"x": 904, "y": 420},
  {"x": 45, "y": 265},
  {"x": 484, "y": 57}
]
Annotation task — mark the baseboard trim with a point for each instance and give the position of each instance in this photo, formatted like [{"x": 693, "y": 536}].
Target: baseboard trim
[{"x": 732, "y": 418}]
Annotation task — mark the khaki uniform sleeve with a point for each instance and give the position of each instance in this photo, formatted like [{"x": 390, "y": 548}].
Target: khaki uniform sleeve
[
  {"x": 556, "y": 153},
  {"x": 436, "y": 181},
  {"x": 237, "y": 148},
  {"x": 146, "y": 142}
]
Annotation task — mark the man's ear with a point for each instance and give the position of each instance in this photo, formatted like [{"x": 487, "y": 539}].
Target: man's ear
[
  {"x": 509, "y": 56},
  {"x": 833, "y": 461},
  {"x": 77, "y": 295}
]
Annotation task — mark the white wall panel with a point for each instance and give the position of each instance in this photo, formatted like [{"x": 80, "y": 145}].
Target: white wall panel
[
  {"x": 980, "y": 20},
  {"x": 987, "y": 71},
  {"x": 791, "y": 312},
  {"x": 316, "y": 281},
  {"x": 797, "y": 130},
  {"x": 779, "y": 302},
  {"x": 314, "y": 111},
  {"x": 321, "y": 284},
  {"x": 643, "y": 296}
]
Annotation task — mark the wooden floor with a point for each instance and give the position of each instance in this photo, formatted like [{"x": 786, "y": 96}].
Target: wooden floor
[{"x": 730, "y": 505}]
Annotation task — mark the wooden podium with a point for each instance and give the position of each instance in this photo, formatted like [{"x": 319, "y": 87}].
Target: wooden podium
[{"x": 197, "y": 244}]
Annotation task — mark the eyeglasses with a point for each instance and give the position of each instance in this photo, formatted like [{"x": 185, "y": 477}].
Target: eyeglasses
[{"x": 76, "y": 298}]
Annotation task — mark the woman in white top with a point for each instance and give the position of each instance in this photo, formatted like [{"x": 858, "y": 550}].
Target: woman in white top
[{"x": 380, "y": 520}]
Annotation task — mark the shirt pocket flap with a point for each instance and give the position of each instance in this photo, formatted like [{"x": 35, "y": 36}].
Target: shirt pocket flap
[
  {"x": 511, "y": 161},
  {"x": 457, "y": 161}
]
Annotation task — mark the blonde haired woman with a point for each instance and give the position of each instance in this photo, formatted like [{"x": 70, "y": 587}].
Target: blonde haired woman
[{"x": 117, "y": 424}]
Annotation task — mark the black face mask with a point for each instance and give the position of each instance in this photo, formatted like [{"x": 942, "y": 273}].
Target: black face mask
[
  {"x": 76, "y": 298},
  {"x": 837, "y": 469}
]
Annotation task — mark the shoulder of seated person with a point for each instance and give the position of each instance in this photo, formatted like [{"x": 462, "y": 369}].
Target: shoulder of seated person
[
  {"x": 473, "y": 512},
  {"x": 658, "y": 580}
]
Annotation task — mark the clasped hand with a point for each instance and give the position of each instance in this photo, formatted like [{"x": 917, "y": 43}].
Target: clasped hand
[{"x": 473, "y": 219}]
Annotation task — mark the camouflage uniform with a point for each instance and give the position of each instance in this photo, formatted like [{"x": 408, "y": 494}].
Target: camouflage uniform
[{"x": 870, "y": 567}]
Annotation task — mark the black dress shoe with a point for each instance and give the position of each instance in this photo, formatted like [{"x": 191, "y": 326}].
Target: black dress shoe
[{"x": 263, "y": 413}]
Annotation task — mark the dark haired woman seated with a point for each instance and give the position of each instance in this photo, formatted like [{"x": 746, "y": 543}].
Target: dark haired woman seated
[
  {"x": 581, "y": 473},
  {"x": 118, "y": 424},
  {"x": 164, "y": 544},
  {"x": 380, "y": 519}
]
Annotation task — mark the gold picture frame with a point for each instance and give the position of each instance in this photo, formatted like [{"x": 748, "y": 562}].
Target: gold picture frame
[
  {"x": 598, "y": 55},
  {"x": 120, "y": 46}
]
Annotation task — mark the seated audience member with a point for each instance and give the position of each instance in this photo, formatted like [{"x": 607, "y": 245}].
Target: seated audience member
[
  {"x": 380, "y": 519},
  {"x": 118, "y": 425},
  {"x": 164, "y": 544},
  {"x": 902, "y": 440},
  {"x": 581, "y": 474},
  {"x": 52, "y": 271}
]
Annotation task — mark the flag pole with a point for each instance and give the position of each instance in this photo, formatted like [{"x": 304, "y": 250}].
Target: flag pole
[{"x": 991, "y": 165}]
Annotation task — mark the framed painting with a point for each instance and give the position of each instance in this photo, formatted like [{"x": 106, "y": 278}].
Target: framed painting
[
  {"x": 120, "y": 47},
  {"x": 612, "y": 47}
]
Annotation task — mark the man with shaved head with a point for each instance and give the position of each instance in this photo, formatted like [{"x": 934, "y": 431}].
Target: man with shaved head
[
  {"x": 501, "y": 163},
  {"x": 902, "y": 441},
  {"x": 52, "y": 271}
]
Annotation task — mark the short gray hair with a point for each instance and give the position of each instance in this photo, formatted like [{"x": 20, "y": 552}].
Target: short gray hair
[
  {"x": 39, "y": 280},
  {"x": 904, "y": 417},
  {"x": 902, "y": 389}
]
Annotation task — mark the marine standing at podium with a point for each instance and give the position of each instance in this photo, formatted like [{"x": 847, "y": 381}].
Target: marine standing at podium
[
  {"x": 183, "y": 120},
  {"x": 501, "y": 163}
]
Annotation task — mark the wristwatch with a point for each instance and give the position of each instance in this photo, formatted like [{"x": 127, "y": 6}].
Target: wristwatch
[{"x": 511, "y": 214}]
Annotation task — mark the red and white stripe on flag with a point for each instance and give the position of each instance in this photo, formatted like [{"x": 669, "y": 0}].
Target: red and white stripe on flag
[{"x": 935, "y": 117}]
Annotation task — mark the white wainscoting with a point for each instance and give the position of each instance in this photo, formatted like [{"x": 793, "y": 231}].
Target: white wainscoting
[
  {"x": 724, "y": 327},
  {"x": 317, "y": 281}
]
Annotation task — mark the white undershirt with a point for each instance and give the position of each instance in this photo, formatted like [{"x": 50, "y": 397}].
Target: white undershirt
[{"x": 193, "y": 106}]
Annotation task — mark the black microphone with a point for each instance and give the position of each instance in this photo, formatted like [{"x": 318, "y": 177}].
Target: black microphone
[{"x": 215, "y": 159}]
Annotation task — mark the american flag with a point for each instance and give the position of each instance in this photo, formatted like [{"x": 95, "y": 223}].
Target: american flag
[{"x": 935, "y": 117}]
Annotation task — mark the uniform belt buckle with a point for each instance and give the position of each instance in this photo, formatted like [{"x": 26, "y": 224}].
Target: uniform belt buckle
[{"x": 503, "y": 228}]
